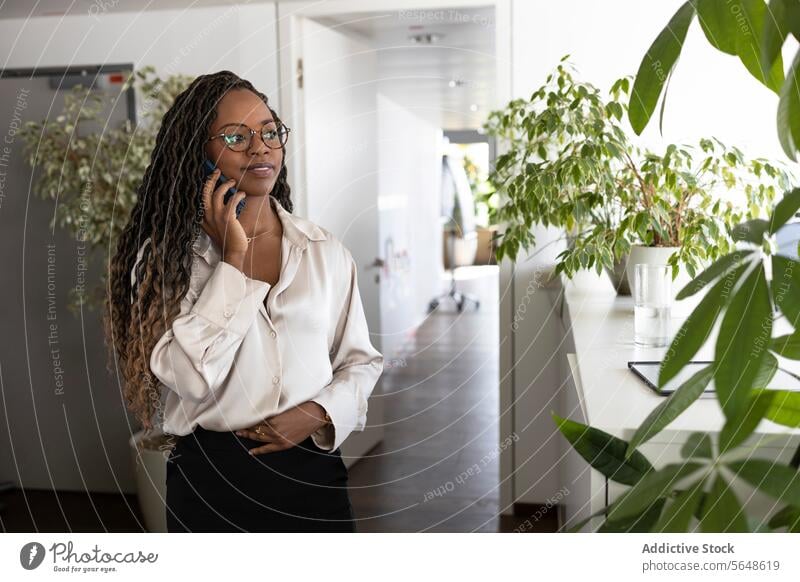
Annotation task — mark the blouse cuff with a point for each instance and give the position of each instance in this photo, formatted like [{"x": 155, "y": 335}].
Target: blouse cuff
[
  {"x": 344, "y": 414},
  {"x": 323, "y": 437}
]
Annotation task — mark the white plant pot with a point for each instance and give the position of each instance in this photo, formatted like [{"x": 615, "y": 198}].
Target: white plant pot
[
  {"x": 659, "y": 256},
  {"x": 150, "y": 468}
]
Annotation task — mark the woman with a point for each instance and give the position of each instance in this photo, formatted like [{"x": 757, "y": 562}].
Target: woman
[{"x": 247, "y": 335}]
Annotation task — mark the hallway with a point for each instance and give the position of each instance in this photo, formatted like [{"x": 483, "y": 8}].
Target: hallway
[{"x": 438, "y": 465}]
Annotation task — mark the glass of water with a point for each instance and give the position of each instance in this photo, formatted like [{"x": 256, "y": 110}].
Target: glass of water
[{"x": 652, "y": 299}]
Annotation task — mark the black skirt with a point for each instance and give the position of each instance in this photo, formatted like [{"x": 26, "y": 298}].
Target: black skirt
[{"x": 214, "y": 485}]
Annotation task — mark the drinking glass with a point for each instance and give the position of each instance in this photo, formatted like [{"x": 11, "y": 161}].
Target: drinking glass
[{"x": 652, "y": 299}]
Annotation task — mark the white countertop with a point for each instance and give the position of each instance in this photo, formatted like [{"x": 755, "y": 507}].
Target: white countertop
[{"x": 613, "y": 398}]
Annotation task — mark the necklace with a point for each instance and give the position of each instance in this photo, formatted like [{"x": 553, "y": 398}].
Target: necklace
[{"x": 250, "y": 238}]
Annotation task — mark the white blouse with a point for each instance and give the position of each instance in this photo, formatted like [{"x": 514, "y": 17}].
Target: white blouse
[{"x": 230, "y": 361}]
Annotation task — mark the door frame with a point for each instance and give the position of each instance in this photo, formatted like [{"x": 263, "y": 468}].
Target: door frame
[
  {"x": 290, "y": 52},
  {"x": 290, "y": 26}
]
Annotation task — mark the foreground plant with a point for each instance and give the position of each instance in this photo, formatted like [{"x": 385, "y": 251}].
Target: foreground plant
[{"x": 745, "y": 303}]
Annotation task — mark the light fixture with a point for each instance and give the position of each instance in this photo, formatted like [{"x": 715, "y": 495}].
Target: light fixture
[{"x": 425, "y": 38}]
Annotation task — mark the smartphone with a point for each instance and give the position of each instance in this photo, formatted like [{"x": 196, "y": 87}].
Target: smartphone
[{"x": 208, "y": 168}]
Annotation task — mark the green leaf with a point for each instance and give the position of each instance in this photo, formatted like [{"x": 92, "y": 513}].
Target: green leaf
[
  {"x": 716, "y": 21},
  {"x": 751, "y": 231},
  {"x": 722, "y": 512},
  {"x": 654, "y": 485},
  {"x": 788, "y": 517},
  {"x": 656, "y": 66},
  {"x": 784, "y": 210},
  {"x": 786, "y": 287},
  {"x": 663, "y": 107},
  {"x": 784, "y": 408},
  {"x": 787, "y": 346},
  {"x": 734, "y": 27},
  {"x": 698, "y": 446},
  {"x": 695, "y": 330},
  {"x": 741, "y": 426},
  {"x": 579, "y": 526},
  {"x": 678, "y": 515},
  {"x": 644, "y": 522},
  {"x": 774, "y": 34},
  {"x": 769, "y": 365},
  {"x": 713, "y": 271},
  {"x": 776, "y": 480},
  {"x": 791, "y": 10},
  {"x": 744, "y": 335},
  {"x": 789, "y": 110},
  {"x": 663, "y": 414},
  {"x": 604, "y": 452}
]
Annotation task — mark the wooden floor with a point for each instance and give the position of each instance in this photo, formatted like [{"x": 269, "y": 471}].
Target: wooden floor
[{"x": 437, "y": 470}]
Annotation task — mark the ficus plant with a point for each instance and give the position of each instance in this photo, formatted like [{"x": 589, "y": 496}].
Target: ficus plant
[
  {"x": 566, "y": 145},
  {"x": 571, "y": 164},
  {"x": 747, "y": 292},
  {"x": 93, "y": 176}
]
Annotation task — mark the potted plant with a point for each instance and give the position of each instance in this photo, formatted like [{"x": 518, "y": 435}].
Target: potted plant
[
  {"x": 681, "y": 207},
  {"x": 743, "y": 298},
  {"x": 481, "y": 192},
  {"x": 571, "y": 164},
  {"x": 94, "y": 176},
  {"x": 566, "y": 145}
]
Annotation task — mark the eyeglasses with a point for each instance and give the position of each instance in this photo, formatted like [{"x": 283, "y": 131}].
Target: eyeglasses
[{"x": 239, "y": 138}]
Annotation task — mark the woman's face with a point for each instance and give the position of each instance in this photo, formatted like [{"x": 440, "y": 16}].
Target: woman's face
[{"x": 243, "y": 107}]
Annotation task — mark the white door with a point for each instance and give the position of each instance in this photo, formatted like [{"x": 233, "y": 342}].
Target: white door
[{"x": 332, "y": 103}]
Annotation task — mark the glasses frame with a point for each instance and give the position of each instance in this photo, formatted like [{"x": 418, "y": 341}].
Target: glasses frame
[{"x": 252, "y": 133}]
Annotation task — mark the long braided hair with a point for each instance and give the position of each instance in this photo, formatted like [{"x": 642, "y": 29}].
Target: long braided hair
[{"x": 168, "y": 211}]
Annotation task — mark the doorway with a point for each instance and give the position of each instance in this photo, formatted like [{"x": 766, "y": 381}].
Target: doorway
[{"x": 372, "y": 94}]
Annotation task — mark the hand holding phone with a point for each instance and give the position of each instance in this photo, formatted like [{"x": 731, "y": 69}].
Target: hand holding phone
[
  {"x": 208, "y": 169},
  {"x": 220, "y": 219}
]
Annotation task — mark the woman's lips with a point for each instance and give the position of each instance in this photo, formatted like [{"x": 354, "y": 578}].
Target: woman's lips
[{"x": 262, "y": 172}]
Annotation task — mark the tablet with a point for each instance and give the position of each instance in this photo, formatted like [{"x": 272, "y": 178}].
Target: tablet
[{"x": 648, "y": 373}]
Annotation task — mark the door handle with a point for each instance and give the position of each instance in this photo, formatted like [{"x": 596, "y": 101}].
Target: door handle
[{"x": 378, "y": 263}]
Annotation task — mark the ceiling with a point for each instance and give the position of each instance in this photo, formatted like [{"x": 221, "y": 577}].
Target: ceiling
[
  {"x": 449, "y": 81},
  {"x": 28, "y": 9}
]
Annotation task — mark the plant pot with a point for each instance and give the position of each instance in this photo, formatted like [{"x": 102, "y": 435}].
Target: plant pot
[
  {"x": 619, "y": 276},
  {"x": 459, "y": 251},
  {"x": 149, "y": 456},
  {"x": 659, "y": 256}
]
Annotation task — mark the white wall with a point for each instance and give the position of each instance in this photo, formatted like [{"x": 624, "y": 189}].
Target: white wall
[
  {"x": 409, "y": 177},
  {"x": 710, "y": 93},
  {"x": 191, "y": 42}
]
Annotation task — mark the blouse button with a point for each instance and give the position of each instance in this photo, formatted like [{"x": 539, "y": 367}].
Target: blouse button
[
  {"x": 275, "y": 379},
  {"x": 228, "y": 314},
  {"x": 273, "y": 334}
]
